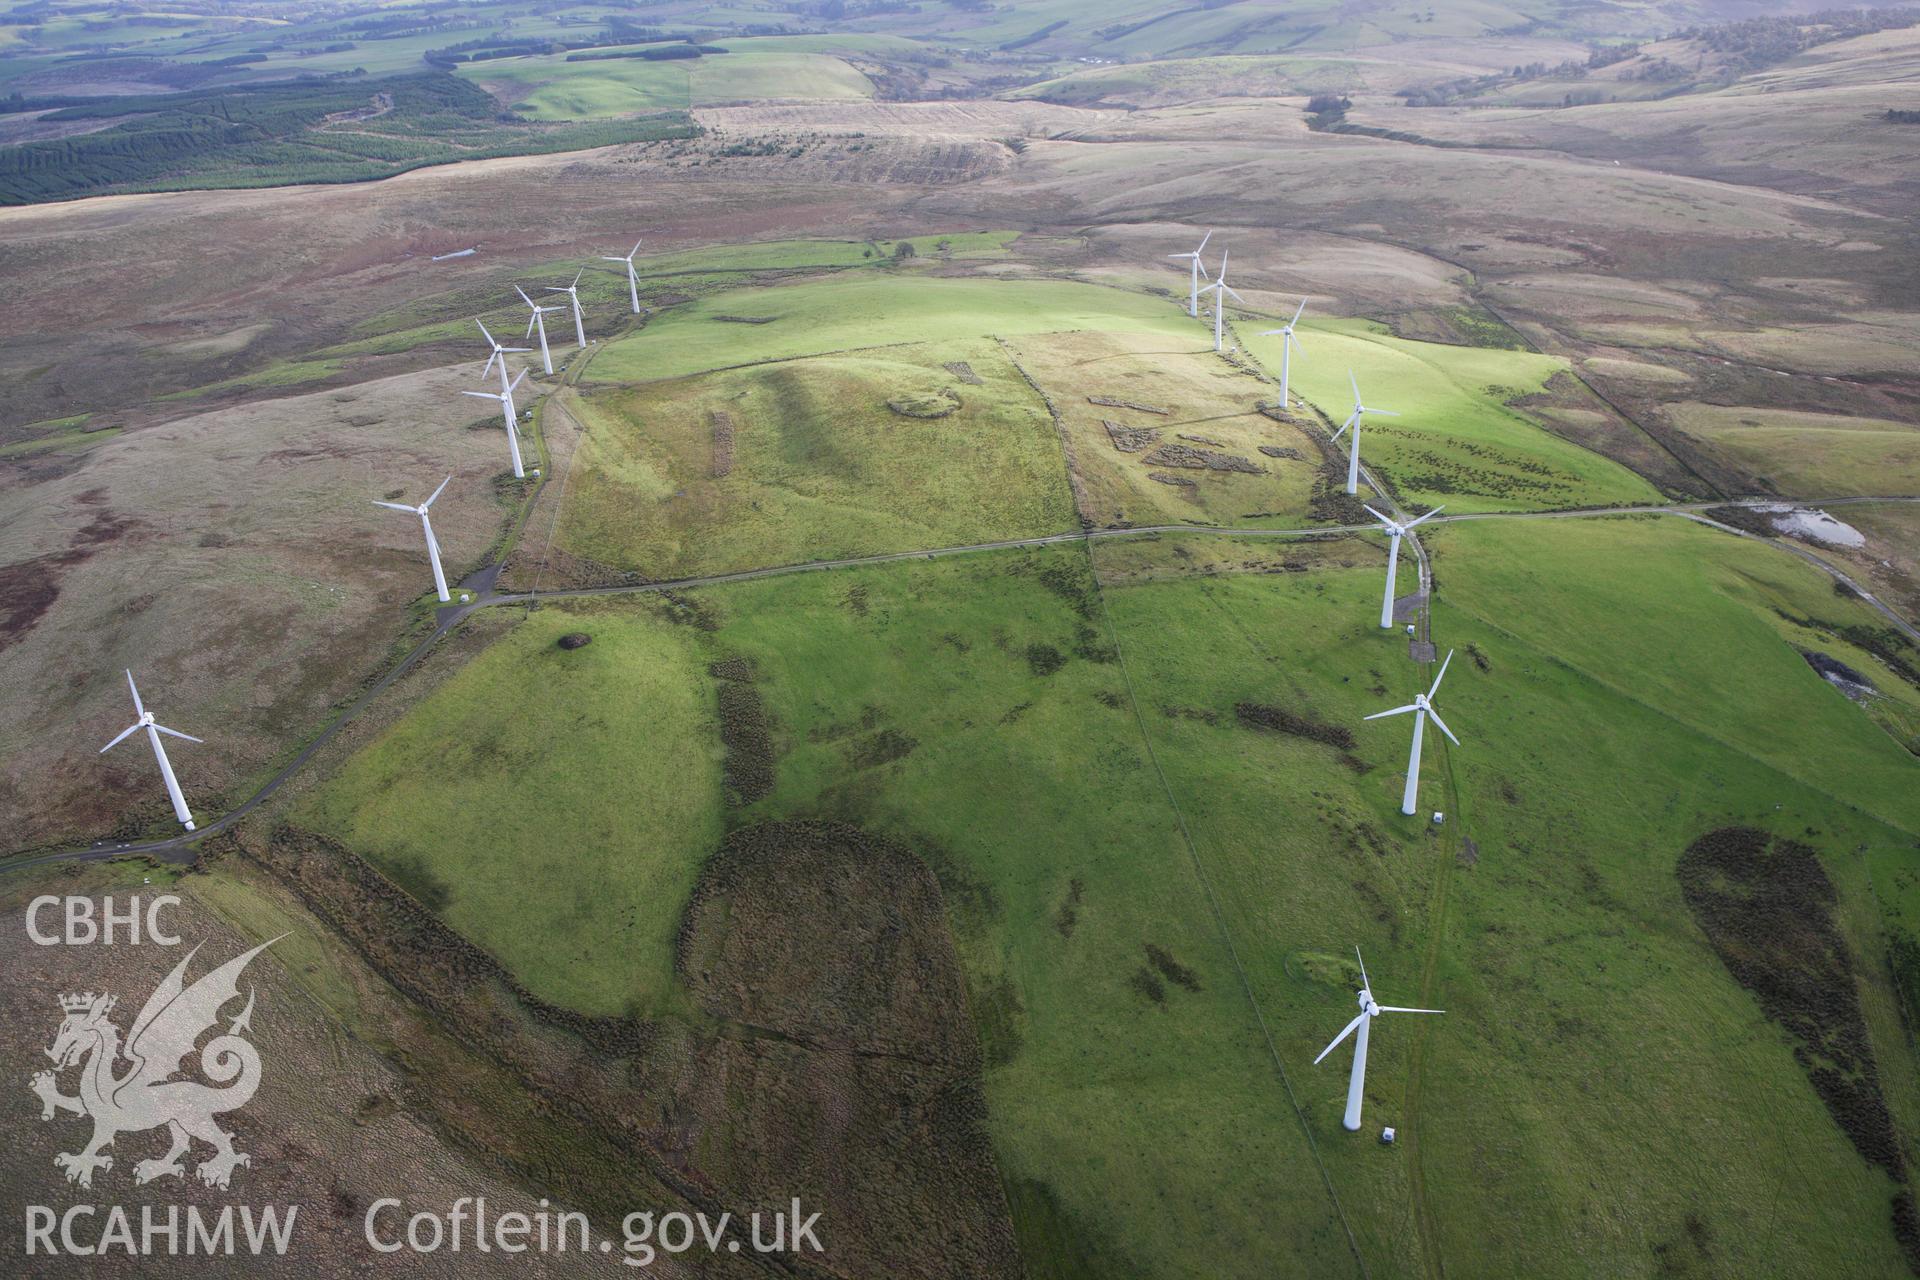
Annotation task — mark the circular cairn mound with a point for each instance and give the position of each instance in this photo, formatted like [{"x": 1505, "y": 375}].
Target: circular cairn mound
[{"x": 925, "y": 404}]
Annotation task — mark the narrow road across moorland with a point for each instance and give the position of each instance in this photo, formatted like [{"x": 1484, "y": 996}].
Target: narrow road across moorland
[{"x": 180, "y": 848}]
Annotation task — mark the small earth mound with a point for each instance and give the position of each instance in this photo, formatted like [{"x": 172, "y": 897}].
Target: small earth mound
[
  {"x": 575, "y": 640},
  {"x": 928, "y": 404}
]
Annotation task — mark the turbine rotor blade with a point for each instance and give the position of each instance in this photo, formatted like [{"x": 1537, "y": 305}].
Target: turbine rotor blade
[
  {"x": 576, "y": 278},
  {"x": 1342, "y": 1036},
  {"x": 1394, "y": 1008},
  {"x": 1297, "y": 314},
  {"x": 1430, "y": 515},
  {"x": 124, "y": 735},
  {"x": 1356, "y": 390},
  {"x": 491, "y": 342},
  {"x": 530, "y": 323},
  {"x": 1384, "y": 413},
  {"x": 1397, "y": 711},
  {"x": 1236, "y": 297},
  {"x": 1442, "y": 724},
  {"x": 1363, "y": 969},
  {"x": 436, "y": 493},
  {"x": 1442, "y": 676},
  {"x": 1203, "y": 242},
  {"x": 176, "y": 733},
  {"x": 1377, "y": 516},
  {"x": 516, "y": 382},
  {"x": 523, "y": 295},
  {"x": 484, "y": 395},
  {"x": 396, "y": 506},
  {"x": 134, "y": 689}
]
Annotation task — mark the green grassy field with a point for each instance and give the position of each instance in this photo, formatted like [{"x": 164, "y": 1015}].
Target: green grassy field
[
  {"x": 603, "y": 287},
  {"x": 872, "y": 311},
  {"x": 1594, "y": 1048},
  {"x": 1457, "y": 442},
  {"x": 1051, "y": 749},
  {"x": 817, "y": 465},
  {"x": 1186, "y": 79},
  {"x": 770, "y": 255},
  {"x": 1810, "y": 454},
  {"x": 534, "y": 747},
  {"x": 1119, "y": 1120},
  {"x": 552, "y": 88}
]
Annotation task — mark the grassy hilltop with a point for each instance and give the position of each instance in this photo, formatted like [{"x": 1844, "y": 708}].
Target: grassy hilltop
[{"x": 1152, "y": 888}]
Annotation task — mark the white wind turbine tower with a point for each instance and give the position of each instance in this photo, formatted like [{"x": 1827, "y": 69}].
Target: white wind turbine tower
[
  {"x": 1220, "y": 292},
  {"x": 154, "y": 730},
  {"x": 1197, "y": 274},
  {"x": 499, "y": 353},
  {"x": 633, "y": 281},
  {"x": 1357, "y": 1082},
  {"x": 1288, "y": 345},
  {"x": 538, "y": 321},
  {"x": 426, "y": 527},
  {"x": 1397, "y": 530},
  {"x": 1422, "y": 707},
  {"x": 573, "y": 291},
  {"x": 505, "y": 397},
  {"x": 1353, "y": 445}
]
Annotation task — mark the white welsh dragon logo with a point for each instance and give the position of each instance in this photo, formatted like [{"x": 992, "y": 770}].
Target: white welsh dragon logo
[{"x": 146, "y": 1096}]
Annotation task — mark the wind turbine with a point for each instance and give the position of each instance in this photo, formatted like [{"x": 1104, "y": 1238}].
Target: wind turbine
[
  {"x": 1288, "y": 345},
  {"x": 499, "y": 353},
  {"x": 1393, "y": 556},
  {"x": 1353, "y": 445},
  {"x": 1357, "y": 1082},
  {"x": 505, "y": 397},
  {"x": 1198, "y": 273},
  {"x": 154, "y": 730},
  {"x": 538, "y": 321},
  {"x": 433, "y": 543},
  {"x": 1422, "y": 707},
  {"x": 1220, "y": 290},
  {"x": 573, "y": 291},
  {"x": 633, "y": 281}
]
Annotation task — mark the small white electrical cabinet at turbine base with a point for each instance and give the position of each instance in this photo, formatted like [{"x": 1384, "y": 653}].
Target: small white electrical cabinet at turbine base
[{"x": 1386, "y": 1136}]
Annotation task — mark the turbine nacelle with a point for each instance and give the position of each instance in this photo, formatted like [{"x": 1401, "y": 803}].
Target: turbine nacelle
[
  {"x": 571, "y": 289},
  {"x": 1285, "y": 331},
  {"x": 421, "y": 509},
  {"x": 502, "y": 397},
  {"x": 1394, "y": 527},
  {"x": 628, "y": 259}
]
